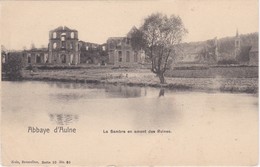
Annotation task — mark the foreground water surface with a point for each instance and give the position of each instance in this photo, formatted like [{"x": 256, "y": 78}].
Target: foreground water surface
[{"x": 162, "y": 127}]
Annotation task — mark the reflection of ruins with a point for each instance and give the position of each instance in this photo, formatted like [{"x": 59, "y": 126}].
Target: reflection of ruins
[
  {"x": 63, "y": 119},
  {"x": 156, "y": 111},
  {"x": 161, "y": 93},
  {"x": 101, "y": 91},
  {"x": 124, "y": 91}
]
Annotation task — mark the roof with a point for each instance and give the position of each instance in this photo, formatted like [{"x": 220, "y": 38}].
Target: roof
[
  {"x": 133, "y": 29},
  {"x": 190, "y": 58},
  {"x": 193, "y": 49}
]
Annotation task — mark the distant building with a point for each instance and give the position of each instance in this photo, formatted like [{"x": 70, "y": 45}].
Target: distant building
[
  {"x": 228, "y": 50},
  {"x": 253, "y": 56},
  {"x": 63, "y": 46},
  {"x": 197, "y": 53},
  {"x": 121, "y": 53},
  {"x": 237, "y": 45}
]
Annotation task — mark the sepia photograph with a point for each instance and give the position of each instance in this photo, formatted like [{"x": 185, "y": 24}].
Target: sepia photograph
[{"x": 129, "y": 83}]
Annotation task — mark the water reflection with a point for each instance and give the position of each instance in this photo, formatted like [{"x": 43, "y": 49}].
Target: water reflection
[
  {"x": 69, "y": 96},
  {"x": 208, "y": 126},
  {"x": 156, "y": 112},
  {"x": 67, "y": 85},
  {"x": 123, "y": 91},
  {"x": 76, "y": 91},
  {"x": 161, "y": 93},
  {"x": 63, "y": 119}
]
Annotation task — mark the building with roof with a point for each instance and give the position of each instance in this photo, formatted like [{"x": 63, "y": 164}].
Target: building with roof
[
  {"x": 205, "y": 53},
  {"x": 228, "y": 50},
  {"x": 237, "y": 50},
  {"x": 121, "y": 53}
]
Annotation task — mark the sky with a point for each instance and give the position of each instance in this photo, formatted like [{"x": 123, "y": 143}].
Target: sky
[{"x": 27, "y": 22}]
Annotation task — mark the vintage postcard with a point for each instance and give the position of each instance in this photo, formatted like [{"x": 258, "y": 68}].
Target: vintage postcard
[{"x": 129, "y": 83}]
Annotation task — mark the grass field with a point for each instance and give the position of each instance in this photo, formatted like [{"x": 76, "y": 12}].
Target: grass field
[
  {"x": 215, "y": 71},
  {"x": 244, "y": 79}
]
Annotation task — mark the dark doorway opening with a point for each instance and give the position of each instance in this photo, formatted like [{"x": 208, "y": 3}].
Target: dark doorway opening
[
  {"x": 63, "y": 58},
  {"x": 29, "y": 59},
  {"x": 38, "y": 59}
]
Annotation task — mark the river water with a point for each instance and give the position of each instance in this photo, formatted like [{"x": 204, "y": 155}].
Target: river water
[{"x": 162, "y": 127}]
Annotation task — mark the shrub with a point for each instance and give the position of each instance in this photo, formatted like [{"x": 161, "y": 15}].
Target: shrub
[{"x": 13, "y": 67}]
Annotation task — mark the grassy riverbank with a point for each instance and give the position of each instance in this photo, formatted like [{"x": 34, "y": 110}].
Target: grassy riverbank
[{"x": 143, "y": 77}]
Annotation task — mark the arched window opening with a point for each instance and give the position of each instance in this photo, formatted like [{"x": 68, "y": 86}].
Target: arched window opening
[
  {"x": 54, "y": 45},
  {"x": 38, "y": 59},
  {"x": 72, "y": 35},
  {"x": 63, "y": 58},
  {"x": 120, "y": 58},
  {"x": 71, "y": 58},
  {"x": 54, "y": 35},
  {"x": 135, "y": 57},
  {"x": 127, "y": 56},
  {"x": 63, "y": 44},
  {"x": 29, "y": 58}
]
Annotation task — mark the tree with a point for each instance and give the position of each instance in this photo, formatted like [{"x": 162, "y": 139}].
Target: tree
[
  {"x": 13, "y": 66},
  {"x": 159, "y": 36}
]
